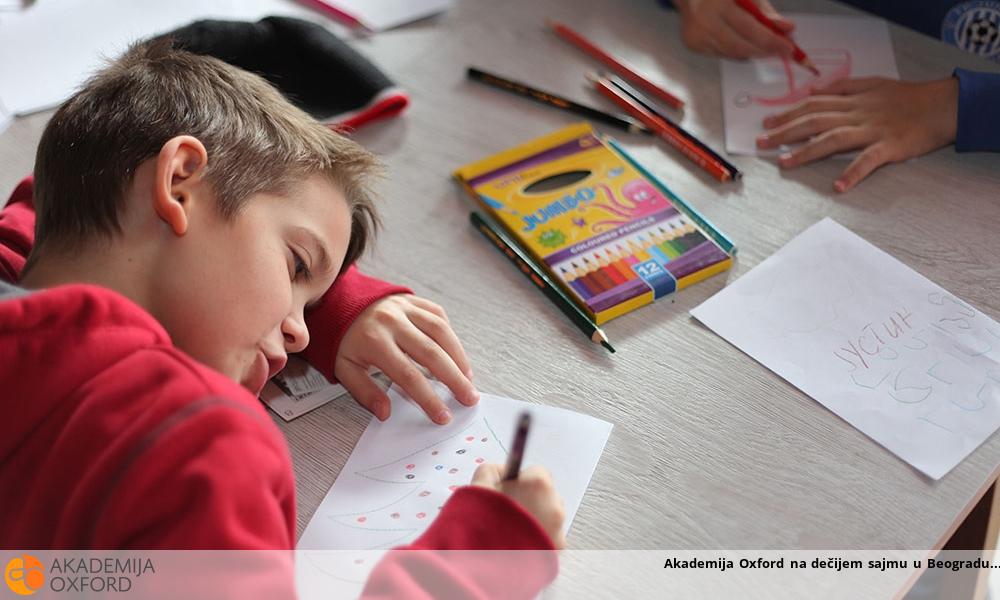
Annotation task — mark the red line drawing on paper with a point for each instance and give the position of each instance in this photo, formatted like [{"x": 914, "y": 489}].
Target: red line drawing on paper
[{"x": 833, "y": 64}]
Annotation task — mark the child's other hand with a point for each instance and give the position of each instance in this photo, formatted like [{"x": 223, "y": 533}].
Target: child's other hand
[
  {"x": 721, "y": 27},
  {"x": 888, "y": 120},
  {"x": 394, "y": 335},
  {"x": 534, "y": 491}
]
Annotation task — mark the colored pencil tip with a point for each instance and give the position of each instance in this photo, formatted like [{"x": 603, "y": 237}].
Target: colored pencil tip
[
  {"x": 608, "y": 346},
  {"x": 809, "y": 65}
]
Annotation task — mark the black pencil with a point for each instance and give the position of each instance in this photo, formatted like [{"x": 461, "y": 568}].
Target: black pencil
[
  {"x": 530, "y": 270},
  {"x": 517, "y": 447},
  {"x": 649, "y": 105},
  {"x": 526, "y": 91}
]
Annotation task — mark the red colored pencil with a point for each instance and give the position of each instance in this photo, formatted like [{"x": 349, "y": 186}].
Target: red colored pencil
[
  {"x": 798, "y": 54},
  {"x": 663, "y": 129},
  {"x": 590, "y": 48},
  {"x": 332, "y": 11}
]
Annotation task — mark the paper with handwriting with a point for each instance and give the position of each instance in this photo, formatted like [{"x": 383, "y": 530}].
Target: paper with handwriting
[{"x": 906, "y": 362}]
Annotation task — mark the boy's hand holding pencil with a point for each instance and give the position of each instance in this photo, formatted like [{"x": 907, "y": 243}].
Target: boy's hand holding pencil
[
  {"x": 724, "y": 28},
  {"x": 398, "y": 335},
  {"x": 533, "y": 490}
]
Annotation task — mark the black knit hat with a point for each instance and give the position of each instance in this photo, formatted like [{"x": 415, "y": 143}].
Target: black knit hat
[{"x": 316, "y": 70}]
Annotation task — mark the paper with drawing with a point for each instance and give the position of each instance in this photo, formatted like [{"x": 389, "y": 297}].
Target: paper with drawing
[
  {"x": 403, "y": 470},
  {"x": 840, "y": 46},
  {"x": 891, "y": 352}
]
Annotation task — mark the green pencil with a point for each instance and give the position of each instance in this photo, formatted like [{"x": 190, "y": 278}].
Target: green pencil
[{"x": 538, "y": 277}]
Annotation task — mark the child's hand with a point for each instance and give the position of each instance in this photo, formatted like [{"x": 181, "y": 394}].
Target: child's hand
[
  {"x": 721, "y": 27},
  {"x": 534, "y": 491},
  {"x": 393, "y": 334},
  {"x": 889, "y": 121}
]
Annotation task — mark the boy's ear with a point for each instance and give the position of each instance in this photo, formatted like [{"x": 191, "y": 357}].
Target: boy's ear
[{"x": 180, "y": 167}]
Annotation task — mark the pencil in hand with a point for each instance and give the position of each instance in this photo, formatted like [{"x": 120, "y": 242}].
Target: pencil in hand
[
  {"x": 798, "y": 55},
  {"x": 517, "y": 447}
]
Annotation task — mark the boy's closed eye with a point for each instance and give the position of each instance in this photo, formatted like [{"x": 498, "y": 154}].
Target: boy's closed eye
[{"x": 299, "y": 269}]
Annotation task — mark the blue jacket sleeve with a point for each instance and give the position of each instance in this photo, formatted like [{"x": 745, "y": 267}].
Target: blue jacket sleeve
[{"x": 978, "y": 118}]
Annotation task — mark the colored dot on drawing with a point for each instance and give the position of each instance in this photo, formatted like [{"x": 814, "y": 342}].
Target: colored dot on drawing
[
  {"x": 438, "y": 467},
  {"x": 453, "y": 471},
  {"x": 410, "y": 466},
  {"x": 462, "y": 451},
  {"x": 425, "y": 493},
  {"x": 421, "y": 515},
  {"x": 409, "y": 475},
  {"x": 434, "y": 452},
  {"x": 452, "y": 487},
  {"x": 469, "y": 439},
  {"x": 358, "y": 561},
  {"x": 362, "y": 519},
  {"x": 479, "y": 461},
  {"x": 440, "y": 507},
  {"x": 483, "y": 440},
  {"x": 394, "y": 515}
]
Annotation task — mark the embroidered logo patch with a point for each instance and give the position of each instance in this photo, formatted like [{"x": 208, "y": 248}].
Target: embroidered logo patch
[{"x": 974, "y": 27}]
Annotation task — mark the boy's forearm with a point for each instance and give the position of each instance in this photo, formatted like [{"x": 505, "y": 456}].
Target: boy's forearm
[
  {"x": 347, "y": 298},
  {"x": 978, "y": 120},
  {"x": 481, "y": 545}
]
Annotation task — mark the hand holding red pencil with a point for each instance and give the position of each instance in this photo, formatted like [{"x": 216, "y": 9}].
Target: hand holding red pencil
[{"x": 724, "y": 28}]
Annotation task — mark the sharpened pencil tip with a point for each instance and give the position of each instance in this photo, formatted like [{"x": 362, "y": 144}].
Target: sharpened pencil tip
[
  {"x": 608, "y": 346},
  {"x": 807, "y": 63}
]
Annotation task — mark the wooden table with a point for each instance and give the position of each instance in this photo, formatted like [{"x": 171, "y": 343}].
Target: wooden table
[{"x": 710, "y": 450}]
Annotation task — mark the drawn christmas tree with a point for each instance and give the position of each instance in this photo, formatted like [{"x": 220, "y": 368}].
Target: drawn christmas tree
[{"x": 403, "y": 496}]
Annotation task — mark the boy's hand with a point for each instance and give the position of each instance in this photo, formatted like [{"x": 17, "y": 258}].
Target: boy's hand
[
  {"x": 721, "y": 27},
  {"x": 394, "y": 335},
  {"x": 534, "y": 491},
  {"x": 888, "y": 120}
]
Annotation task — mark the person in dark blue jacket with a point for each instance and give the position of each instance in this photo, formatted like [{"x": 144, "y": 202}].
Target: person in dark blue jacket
[{"x": 886, "y": 120}]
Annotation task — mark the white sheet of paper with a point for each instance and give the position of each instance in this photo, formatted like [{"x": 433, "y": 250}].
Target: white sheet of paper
[
  {"x": 840, "y": 46},
  {"x": 379, "y": 15},
  {"x": 405, "y": 468},
  {"x": 892, "y": 353},
  {"x": 5, "y": 119},
  {"x": 39, "y": 74}
]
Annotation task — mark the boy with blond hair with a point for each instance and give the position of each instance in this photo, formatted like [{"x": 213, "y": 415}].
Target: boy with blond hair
[{"x": 193, "y": 229}]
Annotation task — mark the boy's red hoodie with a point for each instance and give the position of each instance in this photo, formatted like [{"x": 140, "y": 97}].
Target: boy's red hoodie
[{"x": 115, "y": 439}]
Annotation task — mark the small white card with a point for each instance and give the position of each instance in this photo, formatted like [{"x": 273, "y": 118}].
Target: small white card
[
  {"x": 895, "y": 355},
  {"x": 839, "y": 46},
  {"x": 298, "y": 389}
]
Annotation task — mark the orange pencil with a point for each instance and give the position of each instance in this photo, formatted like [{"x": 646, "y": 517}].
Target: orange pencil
[
  {"x": 590, "y": 48},
  {"x": 669, "y": 133}
]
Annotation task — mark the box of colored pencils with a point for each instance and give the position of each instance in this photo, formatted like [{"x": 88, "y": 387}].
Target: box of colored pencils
[{"x": 614, "y": 236}]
